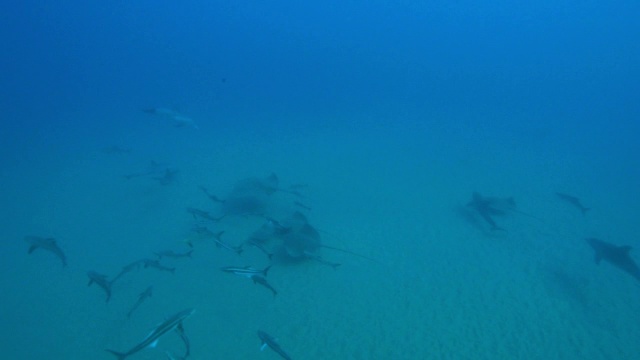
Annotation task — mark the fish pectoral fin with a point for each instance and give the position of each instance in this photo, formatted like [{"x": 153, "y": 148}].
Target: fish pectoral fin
[{"x": 263, "y": 346}]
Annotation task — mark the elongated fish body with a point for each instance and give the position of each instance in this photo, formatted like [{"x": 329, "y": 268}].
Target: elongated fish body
[
  {"x": 197, "y": 213},
  {"x": 618, "y": 256},
  {"x": 141, "y": 298},
  {"x": 178, "y": 119},
  {"x": 172, "y": 254},
  {"x": 48, "y": 244},
  {"x": 127, "y": 269},
  {"x": 257, "y": 279},
  {"x": 168, "y": 325},
  {"x": 156, "y": 264},
  {"x": 221, "y": 244},
  {"x": 260, "y": 247},
  {"x": 246, "y": 271},
  {"x": 100, "y": 280},
  {"x": 268, "y": 340},
  {"x": 573, "y": 201}
]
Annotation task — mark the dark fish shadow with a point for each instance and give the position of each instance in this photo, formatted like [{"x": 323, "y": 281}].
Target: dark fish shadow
[
  {"x": 471, "y": 217},
  {"x": 562, "y": 284}
]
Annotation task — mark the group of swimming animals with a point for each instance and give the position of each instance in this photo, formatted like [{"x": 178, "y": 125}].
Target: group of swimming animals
[{"x": 290, "y": 239}]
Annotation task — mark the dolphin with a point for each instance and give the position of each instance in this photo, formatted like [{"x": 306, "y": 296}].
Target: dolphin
[
  {"x": 260, "y": 247},
  {"x": 156, "y": 264},
  {"x": 268, "y": 340},
  {"x": 618, "y": 256},
  {"x": 246, "y": 271},
  {"x": 257, "y": 279},
  {"x": 573, "y": 201},
  {"x": 151, "y": 340},
  {"x": 128, "y": 268},
  {"x": 167, "y": 177},
  {"x": 49, "y": 244},
  {"x": 221, "y": 244},
  {"x": 100, "y": 280},
  {"x": 172, "y": 254},
  {"x": 154, "y": 168},
  {"x": 141, "y": 298},
  {"x": 197, "y": 213},
  {"x": 178, "y": 119}
]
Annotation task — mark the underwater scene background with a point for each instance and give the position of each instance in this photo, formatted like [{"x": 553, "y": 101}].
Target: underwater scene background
[{"x": 420, "y": 176}]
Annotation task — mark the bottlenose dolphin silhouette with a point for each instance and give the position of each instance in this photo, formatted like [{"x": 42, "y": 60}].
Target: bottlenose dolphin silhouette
[
  {"x": 49, "y": 244},
  {"x": 101, "y": 281},
  {"x": 573, "y": 201},
  {"x": 179, "y": 120},
  {"x": 618, "y": 256},
  {"x": 167, "y": 177}
]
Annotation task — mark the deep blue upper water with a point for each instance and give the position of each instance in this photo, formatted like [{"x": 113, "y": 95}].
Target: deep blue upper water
[{"x": 379, "y": 120}]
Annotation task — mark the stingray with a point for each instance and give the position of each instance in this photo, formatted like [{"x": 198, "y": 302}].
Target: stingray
[
  {"x": 301, "y": 241},
  {"x": 489, "y": 207},
  {"x": 248, "y": 197}
]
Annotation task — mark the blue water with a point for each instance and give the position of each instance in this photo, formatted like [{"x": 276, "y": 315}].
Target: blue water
[{"x": 392, "y": 113}]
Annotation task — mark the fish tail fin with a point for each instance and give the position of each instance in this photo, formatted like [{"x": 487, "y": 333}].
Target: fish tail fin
[
  {"x": 119, "y": 355},
  {"x": 266, "y": 270},
  {"x": 239, "y": 250},
  {"x": 219, "y": 234},
  {"x": 189, "y": 253}
]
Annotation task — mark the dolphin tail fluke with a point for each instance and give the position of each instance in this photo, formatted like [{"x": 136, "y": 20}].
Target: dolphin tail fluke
[{"x": 119, "y": 355}]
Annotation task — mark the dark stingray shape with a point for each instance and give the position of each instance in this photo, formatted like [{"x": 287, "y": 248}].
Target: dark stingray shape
[
  {"x": 298, "y": 243},
  {"x": 488, "y": 207},
  {"x": 249, "y": 196}
]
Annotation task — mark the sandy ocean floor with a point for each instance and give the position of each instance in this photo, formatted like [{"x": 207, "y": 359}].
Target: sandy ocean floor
[{"x": 441, "y": 287}]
